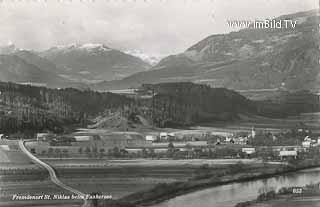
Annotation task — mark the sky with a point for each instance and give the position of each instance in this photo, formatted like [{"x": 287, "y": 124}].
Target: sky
[{"x": 154, "y": 27}]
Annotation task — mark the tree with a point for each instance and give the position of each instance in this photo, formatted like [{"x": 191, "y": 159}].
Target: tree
[
  {"x": 43, "y": 152},
  {"x": 151, "y": 152},
  {"x": 144, "y": 153},
  {"x": 238, "y": 167},
  {"x": 50, "y": 152},
  {"x": 116, "y": 152},
  {"x": 57, "y": 152},
  {"x": 171, "y": 150},
  {"x": 80, "y": 150},
  {"x": 65, "y": 153},
  {"x": 88, "y": 151},
  {"x": 95, "y": 151},
  {"x": 102, "y": 151}
]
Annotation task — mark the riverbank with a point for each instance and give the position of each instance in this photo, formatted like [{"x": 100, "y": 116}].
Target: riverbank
[
  {"x": 163, "y": 192},
  {"x": 306, "y": 196}
]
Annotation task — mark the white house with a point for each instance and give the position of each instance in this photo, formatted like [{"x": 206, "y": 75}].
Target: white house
[
  {"x": 43, "y": 136},
  {"x": 83, "y": 138},
  {"x": 151, "y": 138},
  {"x": 306, "y": 144},
  {"x": 163, "y": 135},
  {"x": 248, "y": 150},
  {"x": 288, "y": 153}
]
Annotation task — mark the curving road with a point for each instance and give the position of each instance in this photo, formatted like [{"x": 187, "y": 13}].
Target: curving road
[{"x": 52, "y": 173}]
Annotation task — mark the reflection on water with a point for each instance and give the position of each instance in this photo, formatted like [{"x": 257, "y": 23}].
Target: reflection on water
[{"x": 231, "y": 194}]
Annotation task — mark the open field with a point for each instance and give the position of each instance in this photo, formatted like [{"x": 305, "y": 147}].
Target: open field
[
  {"x": 10, "y": 153},
  {"x": 83, "y": 162}
]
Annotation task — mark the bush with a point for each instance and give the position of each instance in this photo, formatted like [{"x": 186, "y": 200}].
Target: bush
[
  {"x": 243, "y": 204},
  {"x": 267, "y": 196},
  {"x": 284, "y": 191},
  {"x": 238, "y": 167}
]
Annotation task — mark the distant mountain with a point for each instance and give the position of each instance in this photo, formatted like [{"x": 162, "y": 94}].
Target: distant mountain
[
  {"x": 70, "y": 66},
  {"x": 94, "y": 62},
  {"x": 8, "y": 49},
  {"x": 246, "y": 59},
  {"x": 16, "y": 69},
  {"x": 34, "y": 59},
  {"x": 27, "y": 67}
]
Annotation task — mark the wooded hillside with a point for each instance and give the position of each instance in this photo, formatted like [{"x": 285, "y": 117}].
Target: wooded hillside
[{"x": 24, "y": 107}]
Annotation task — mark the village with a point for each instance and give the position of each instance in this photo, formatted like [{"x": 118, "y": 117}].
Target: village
[{"x": 181, "y": 144}]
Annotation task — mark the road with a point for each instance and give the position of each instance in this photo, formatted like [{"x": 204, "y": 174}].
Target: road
[{"x": 52, "y": 173}]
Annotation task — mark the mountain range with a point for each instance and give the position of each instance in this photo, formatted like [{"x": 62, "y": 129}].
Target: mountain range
[
  {"x": 94, "y": 62},
  {"x": 243, "y": 60},
  {"x": 259, "y": 59},
  {"x": 67, "y": 66}
]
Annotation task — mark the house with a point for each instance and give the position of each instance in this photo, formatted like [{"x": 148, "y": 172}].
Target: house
[
  {"x": 171, "y": 135},
  {"x": 248, "y": 150},
  {"x": 166, "y": 136},
  {"x": 306, "y": 144},
  {"x": 163, "y": 135},
  {"x": 240, "y": 140},
  {"x": 228, "y": 139},
  {"x": 283, "y": 154},
  {"x": 219, "y": 133},
  {"x": 151, "y": 138},
  {"x": 44, "y": 136},
  {"x": 83, "y": 138}
]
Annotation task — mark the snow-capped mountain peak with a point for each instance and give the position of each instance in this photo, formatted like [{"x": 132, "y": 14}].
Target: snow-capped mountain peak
[
  {"x": 8, "y": 49},
  {"x": 90, "y": 46},
  {"x": 87, "y": 46},
  {"x": 152, "y": 60}
]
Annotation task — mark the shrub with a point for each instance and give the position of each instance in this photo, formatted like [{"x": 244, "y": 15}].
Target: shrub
[
  {"x": 267, "y": 196},
  {"x": 243, "y": 204}
]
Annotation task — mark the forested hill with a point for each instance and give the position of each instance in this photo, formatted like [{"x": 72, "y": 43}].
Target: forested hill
[
  {"x": 186, "y": 103},
  {"x": 24, "y": 107},
  {"x": 29, "y": 108}
]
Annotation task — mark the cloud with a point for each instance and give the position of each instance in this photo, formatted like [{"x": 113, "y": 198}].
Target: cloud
[{"x": 155, "y": 27}]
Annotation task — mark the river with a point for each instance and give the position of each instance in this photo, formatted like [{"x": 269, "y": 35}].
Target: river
[{"x": 231, "y": 194}]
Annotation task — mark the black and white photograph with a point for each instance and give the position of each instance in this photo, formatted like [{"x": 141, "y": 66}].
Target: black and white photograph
[{"x": 159, "y": 103}]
